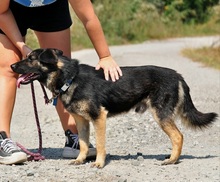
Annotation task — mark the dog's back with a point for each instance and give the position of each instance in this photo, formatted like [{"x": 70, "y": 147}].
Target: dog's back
[{"x": 158, "y": 88}]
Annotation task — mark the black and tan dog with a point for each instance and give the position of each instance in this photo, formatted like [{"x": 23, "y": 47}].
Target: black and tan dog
[{"x": 87, "y": 96}]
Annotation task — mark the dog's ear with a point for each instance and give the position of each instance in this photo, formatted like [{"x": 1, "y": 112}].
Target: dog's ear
[
  {"x": 58, "y": 52},
  {"x": 49, "y": 56}
]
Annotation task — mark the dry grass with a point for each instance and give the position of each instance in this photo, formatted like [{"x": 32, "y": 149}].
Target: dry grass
[{"x": 209, "y": 56}]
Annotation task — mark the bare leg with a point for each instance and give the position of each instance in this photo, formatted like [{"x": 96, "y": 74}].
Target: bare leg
[
  {"x": 59, "y": 40},
  {"x": 66, "y": 119},
  {"x": 9, "y": 55}
]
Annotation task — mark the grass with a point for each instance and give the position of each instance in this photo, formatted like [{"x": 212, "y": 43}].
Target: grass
[
  {"x": 134, "y": 23},
  {"x": 209, "y": 56},
  {"x": 125, "y": 23}
]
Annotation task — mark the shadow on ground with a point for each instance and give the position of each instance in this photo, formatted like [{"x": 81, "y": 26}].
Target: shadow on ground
[{"x": 56, "y": 154}]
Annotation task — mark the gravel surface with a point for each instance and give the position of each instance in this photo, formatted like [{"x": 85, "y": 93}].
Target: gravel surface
[{"x": 136, "y": 145}]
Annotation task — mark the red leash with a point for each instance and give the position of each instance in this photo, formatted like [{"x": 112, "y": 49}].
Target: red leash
[{"x": 36, "y": 156}]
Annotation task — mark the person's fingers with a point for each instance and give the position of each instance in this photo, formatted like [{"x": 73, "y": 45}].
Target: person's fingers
[
  {"x": 116, "y": 74},
  {"x": 119, "y": 71},
  {"x": 106, "y": 73},
  {"x": 97, "y": 67},
  {"x": 113, "y": 74},
  {"x": 111, "y": 69},
  {"x": 25, "y": 51}
]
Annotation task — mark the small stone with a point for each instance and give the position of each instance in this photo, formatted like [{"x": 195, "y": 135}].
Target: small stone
[
  {"x": 135, "y": 163},
  {"x": 140, "y": 158},
  {"x": 122, "y": 180},
  {"x": 30, "y": 174},
  {"x": 139, "y": 153}
]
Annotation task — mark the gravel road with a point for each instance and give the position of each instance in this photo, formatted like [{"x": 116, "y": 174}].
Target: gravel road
[{"x": 136, "y": 145}]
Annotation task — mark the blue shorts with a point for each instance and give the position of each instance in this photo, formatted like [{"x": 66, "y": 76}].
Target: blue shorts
[{"x": 49, "y": 18}]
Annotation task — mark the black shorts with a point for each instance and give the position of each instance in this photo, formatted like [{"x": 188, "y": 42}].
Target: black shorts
[{"x": 49, "y": 18}]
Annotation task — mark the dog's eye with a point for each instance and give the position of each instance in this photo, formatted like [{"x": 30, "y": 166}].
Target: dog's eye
[{"x": 32, "y": 57}]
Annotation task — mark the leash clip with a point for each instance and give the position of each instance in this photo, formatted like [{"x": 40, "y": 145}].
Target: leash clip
[{"x": 53, "y": 99}]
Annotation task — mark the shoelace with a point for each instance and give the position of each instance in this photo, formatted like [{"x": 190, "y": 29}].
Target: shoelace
[
  {"x": 9, "y": 146},
  {"x": 75, "y": 140}
]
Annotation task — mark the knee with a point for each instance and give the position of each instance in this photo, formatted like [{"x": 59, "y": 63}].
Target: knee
[{"x": 5, "y": 65}]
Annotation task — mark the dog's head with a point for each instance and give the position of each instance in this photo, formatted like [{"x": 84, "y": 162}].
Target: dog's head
[{"x": 38, "y": 64}]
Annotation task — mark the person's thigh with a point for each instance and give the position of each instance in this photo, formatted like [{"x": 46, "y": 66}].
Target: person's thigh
[
  {"x": 58, "y": 40},
  {"x": 9, "y": 54}
]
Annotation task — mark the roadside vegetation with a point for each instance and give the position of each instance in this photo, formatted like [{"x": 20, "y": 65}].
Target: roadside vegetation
[
  {"x": 135, "y": 21},
  {"x": 209, "y": 56}
]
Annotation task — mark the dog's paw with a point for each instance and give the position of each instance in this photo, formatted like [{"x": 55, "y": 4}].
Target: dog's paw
[
  {"x": 98, "y": 165},
  {"x": 76, "y": 162},
  {"x": 168, "y": 162}
]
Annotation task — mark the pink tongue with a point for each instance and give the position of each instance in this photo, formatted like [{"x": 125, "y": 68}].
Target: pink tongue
[{"x": 20, "y": 79}]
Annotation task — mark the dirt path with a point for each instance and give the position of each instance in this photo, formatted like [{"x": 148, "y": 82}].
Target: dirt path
[{"x": 135, "y": 144}]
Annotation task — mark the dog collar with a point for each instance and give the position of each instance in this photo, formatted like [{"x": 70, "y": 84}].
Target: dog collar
[{"x": 63, "y": 89}]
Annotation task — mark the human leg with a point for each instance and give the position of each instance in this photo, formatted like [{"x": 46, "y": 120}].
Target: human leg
[
  {"x": 8, "y": 55},
  {"x": 9, "y": 152},
  {"x": 59, "y": 40}
]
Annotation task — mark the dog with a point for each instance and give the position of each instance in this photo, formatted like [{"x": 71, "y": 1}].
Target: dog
[{"x": 87, "y": 96}]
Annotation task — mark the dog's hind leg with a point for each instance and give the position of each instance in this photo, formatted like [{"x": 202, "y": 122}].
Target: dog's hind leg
[
  {"x": 83, "y": 132},
  {"x": 176, "y": 138},
  {"x": 100, "y": 130}
]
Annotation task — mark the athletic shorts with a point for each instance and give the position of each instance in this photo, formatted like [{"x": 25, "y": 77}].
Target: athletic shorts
[{"x": 49, "y": 18}]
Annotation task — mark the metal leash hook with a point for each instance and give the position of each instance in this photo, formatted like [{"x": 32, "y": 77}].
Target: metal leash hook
[{"x": 35, "y": 156}]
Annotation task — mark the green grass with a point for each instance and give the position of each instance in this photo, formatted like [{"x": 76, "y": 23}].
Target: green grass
[
  {"x": 31, "y": 40},
  {"x": 125, "y": 23},
  {"x": 135, "y": 22},
  {"x": 209, "y": 56}
]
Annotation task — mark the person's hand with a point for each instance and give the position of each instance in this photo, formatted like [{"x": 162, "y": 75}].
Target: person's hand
[
  {"x": 24, "y": 49},
  {"x": 110, "y": 67}
]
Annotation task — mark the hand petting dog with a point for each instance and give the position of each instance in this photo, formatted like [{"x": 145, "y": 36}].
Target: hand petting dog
[{"x": 110, "y": 67}]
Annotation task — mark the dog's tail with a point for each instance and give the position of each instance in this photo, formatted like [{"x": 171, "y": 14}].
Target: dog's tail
[{"x": 191, "y": 116}]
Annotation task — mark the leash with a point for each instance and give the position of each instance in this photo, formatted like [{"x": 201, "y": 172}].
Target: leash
[{"x": 36, "y": 156}]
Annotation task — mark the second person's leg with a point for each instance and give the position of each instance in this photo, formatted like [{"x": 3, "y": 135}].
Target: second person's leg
[{"x": 61, "y": 40}]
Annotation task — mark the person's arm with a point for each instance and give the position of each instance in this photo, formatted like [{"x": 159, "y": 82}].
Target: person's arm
[
  {"x": 85, "y": 12},
  {"x": 9, "y": 26}
]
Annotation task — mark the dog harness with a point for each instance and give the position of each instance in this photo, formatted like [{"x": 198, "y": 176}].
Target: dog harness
[{"x": 34, "y": 3}]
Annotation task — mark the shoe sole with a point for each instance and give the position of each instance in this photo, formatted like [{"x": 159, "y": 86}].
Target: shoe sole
[
  {"x": 70, "y": 153},
  {"x": 15, "y": 158}
]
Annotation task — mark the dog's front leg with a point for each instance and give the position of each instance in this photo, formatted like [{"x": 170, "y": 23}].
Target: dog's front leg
[
  {"x": 100, "y": 130},
  {"x": 83, "y": 132}
]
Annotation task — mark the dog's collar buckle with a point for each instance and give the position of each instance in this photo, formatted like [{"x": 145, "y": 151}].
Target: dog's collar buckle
[
  {"x": 63, "y": 89},
  {"x": 65, "y": 86}
]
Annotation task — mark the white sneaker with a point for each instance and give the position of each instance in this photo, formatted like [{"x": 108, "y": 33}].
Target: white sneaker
[{"x": 10, "y": 153}]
